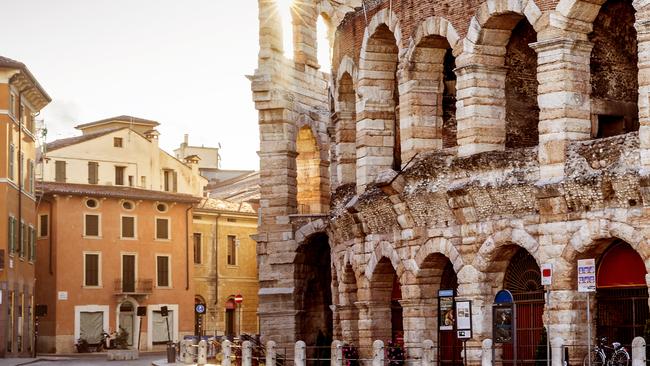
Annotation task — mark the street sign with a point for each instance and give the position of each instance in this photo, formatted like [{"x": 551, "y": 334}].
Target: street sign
[
  {"x": 547, "y": 274},
  {"x": 587, "y": 275},
  {"x": 200, "y": 308},
  {"x": 239, "y": 299}
]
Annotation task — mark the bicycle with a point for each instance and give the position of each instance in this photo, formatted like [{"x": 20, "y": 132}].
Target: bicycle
[{"x": 599, "y": 355}]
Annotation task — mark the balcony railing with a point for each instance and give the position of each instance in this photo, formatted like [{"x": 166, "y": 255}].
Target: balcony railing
[{"x": 141, "y": 286}]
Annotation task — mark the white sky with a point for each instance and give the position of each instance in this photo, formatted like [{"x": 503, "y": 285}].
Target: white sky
[{"x": 179, "y": 62}]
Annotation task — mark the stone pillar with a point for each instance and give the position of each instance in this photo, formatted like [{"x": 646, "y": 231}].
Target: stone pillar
[
  {"x": 349, "y": 318},
  {"x": 271, "y": 354},
  {"x": 563, "y": 72},
  {"x": 421, "y": 103},
  {"x": 365, "y": 329},
  {"x": 345, "y": 150},
  {"x": 473, "y": 285},
  {"x": 415, "y": 316},
  {"x": 480, "y": 107},
  {"x": 378, "y": 353},
  {"x": 638, "y": 352},
  {"x": 304, "y": 33},
  {"x": 557, "y": 352},
  {"x": 247, "y": 353},
  {"x": 226, "y": 350},
  {"x": 486, "y": 352},
  {"x": 374, "y": 140},
  {"x": 270, "y": 32},
  {"x": 428, "y": 353},
  {"x": 643, "y": 45},
  {"x": 202, "y": 357}
]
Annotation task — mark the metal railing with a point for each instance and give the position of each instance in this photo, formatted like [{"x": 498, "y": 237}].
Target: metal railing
[{"x": 139, "y": 286}]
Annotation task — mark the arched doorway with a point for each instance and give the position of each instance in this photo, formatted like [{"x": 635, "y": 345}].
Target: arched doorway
[
  {"x": 622, "y": 295},
  {"x": 523, "y": 280},
  {"x": 384, "y": 310},
  {"x": 229, "y": 326},
  {"x": 127, "y": 319},
  {"x": 450, "y": 346}
]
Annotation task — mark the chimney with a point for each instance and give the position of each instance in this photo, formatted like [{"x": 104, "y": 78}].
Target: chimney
[
  {"x": 186, "y": 139},
  {"x": 193, "y": 162}
]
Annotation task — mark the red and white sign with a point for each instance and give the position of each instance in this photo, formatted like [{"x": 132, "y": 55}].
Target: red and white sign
[
  {"x": 239, "y": 299},
  {"x": 547, "y": 274}
]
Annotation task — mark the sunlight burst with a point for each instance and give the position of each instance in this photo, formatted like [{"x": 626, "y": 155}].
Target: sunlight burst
[{"x": 284, "y": 9}]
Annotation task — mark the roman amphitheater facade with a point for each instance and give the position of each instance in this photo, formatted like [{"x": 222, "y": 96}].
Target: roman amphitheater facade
[{"x": 455, "y": 144}]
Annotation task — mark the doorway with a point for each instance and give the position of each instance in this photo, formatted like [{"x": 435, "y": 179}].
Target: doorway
[{"x": 127, "y": 320}]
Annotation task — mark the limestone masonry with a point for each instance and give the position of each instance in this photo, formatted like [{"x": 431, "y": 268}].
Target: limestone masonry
[{"x": 454, "y": 145}]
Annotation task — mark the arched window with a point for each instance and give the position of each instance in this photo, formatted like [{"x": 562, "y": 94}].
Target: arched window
[
  {"x": 285, "y": 10},
  {"x": 312, "y": 190},
  {"x": 324, "y": 50}
]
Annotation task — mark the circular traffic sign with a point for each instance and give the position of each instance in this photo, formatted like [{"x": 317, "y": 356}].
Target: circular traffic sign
[
  {"x": 239, "y": 299},
  {"x": 200, "y": 308}
]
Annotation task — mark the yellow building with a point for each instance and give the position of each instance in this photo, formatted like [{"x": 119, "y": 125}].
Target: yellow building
[
  {"x": 21, "y": 99},
  {"x": 225, "y": 265}
]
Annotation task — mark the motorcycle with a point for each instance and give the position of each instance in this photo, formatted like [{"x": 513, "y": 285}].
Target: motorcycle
[{"x": 83, "y": 346}]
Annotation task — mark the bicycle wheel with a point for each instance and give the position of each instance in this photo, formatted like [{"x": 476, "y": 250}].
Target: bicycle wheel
[
  {"x": 620, "y": 358},
  {"x": 596, "y": 359}
]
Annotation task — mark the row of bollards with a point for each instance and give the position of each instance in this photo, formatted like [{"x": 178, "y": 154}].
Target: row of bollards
[{"x": 428, "y": 358}]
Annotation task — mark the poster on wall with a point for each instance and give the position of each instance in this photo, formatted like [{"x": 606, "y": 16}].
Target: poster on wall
[
  {"x": 503, "y": 330},
  {"x": 463, "y": 315},
  {"x": 446, "y": 309},
  {"x": 586, "y": 275}
]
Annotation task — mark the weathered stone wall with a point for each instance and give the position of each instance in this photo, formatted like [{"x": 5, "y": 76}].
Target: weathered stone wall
[{"x": 496, "y": 114}]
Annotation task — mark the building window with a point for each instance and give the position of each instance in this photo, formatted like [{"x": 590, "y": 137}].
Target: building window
[
  {"x": 23, "y": 239},
  {"x": 12, "y": 105},
  {"x": 170, "y": 181},
  {"x": 162, "y": 229},
  {"x": 31, "y": 254},
  {"x": 12, "y": 234},
  {"x": 161, "y": 207},
  {"x": 21, "y": 170},
  {"x": 11, "y": 161},
  {"x": 91, "y": 269},
  {"x": 128, "y": 205},
  {"x": 232, "y": 250},
  {"x": 92, "y": 203},
  {"x": 131, "y": 181},
  {"x": 143, "y": 181},
  {"x": 43, "y": 226},
  {"x": 91, "y": 225},
  {"x": 163, "y": 275},
  {"x": 117, "y": 141},
  {"x": 59, "y": 174},
  {"x": 93, "y": 172},
  {"x": 128, "y": 227},
  {"x": 30, "y": 170},
  {"x": 119, "y": 175},
  {"x": 197, "y": 248}
]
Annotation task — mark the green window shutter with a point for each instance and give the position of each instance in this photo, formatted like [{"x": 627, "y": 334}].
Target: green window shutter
[
  {"x": 12, "y": 247},
  {"x": 32, "y": 244}
]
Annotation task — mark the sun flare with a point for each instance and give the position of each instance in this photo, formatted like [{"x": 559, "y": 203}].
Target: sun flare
[{"x": 284, "y": 10}]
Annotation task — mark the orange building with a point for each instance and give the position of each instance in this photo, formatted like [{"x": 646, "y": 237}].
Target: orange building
[
  {"x": 21, "y": 98},
  {"x": 114, "y": 234}
]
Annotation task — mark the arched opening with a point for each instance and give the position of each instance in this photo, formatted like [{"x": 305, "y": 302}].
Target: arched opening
[
  {"x": 523, "y": 279},
  {"x": 313, "y": 276},
  {"x": 437, "y": 273},
  {"x": 430, "y": 95},
  {"x": 349, "y": 314},
  {"x": 311, "y": 195},
  {"x": 621, "y": 295},
  {"x": 230, "y": 318},
  {"x": 285, "y": 11},
  {"x": 324, "y": 49},
  {"x": 127, "y": 320},
  {"x": 378, "y": 140},
  {"x": 614, "y": 70},
  {"x": 385, "y": 294},
  {"x": 346, "y": 133},
  {"x": 522, "y": 111}
]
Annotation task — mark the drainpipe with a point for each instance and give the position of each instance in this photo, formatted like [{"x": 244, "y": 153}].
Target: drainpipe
[
  {"x": 187, "y": 248},
  {"x": 51, "y": 233},
  {"x": 216, "y": 259}
]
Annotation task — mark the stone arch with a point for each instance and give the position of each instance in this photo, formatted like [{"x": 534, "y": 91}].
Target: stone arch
[
  {"x": 348, "y": 66},
  {"x": 378, "y": 140},
  {"x": 492, "y": 246},
  {"x": 492, "y": 49},
  {"x": 428, "y": 89},
  {"x": 312, "y": 193},
  {"x": 441, "y": 246},
  {"x": 310, "y": 229},
  {"x": 386, "y": 250},
  {"x": 347, "y": 307}
]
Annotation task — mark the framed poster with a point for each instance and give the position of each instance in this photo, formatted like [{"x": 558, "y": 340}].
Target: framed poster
[
  {"x": 502, "y": 318},
  {"x": 446, "y": 310},
  {"x": 464, "y": 319}
]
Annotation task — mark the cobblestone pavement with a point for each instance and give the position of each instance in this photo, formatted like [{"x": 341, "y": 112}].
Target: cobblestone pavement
[{"x": 96, "y": 359}]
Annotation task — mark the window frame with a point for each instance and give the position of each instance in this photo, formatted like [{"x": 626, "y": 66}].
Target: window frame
[
  {"x": 12, "y": 163},
  {"x": 200, "y": 247},
  {"x": 99, "y": 225},
  {"x": 122, "y": 169},
  {"x": 65, "y": 173},
  {"x": 40, "y": 225},
  {"x": 235, "y": 251},
  {"x": 169, "y": 228},
  {"x": 118, "y": 142},
  {"x": 11, "y": 235},
  {"x": 169, "y": 271},
  {"x": 99, "y": 269},
  {"x": 22, "y": 240},
  {"x": 95, "y": 168},
  {"x": 31, "y": 244},
  {"x": 135, "y": 227}
]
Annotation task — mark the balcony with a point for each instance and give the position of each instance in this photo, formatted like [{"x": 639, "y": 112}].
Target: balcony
[{"x": 129, "y": 287}]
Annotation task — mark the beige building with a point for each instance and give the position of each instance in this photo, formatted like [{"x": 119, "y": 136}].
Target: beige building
[
  {"x": 210, "y": 158},
  {"x": 225, "y": 265},
  {"x": 115, "y": 228}
]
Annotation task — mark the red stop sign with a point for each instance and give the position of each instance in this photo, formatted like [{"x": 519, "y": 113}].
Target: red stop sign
[{"x": 239, "y": 299}]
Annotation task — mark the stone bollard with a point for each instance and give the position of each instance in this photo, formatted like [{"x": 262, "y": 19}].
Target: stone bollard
[
  {"x": 638, "y": 351},
  {"x": 202, "y": 354},
  {"x": 247, "y": 353},
  {"x": 377, "y": 353},
  {"x": 557, "y": 352},
  {"x": 428, "y": 353},
  {"x": 300, "y": 354},
  {"x": 486, "y": 352},
  {"x": 226, "y": 349},
  {"x": 271, "y": 355},
  {"x": 188, "y": 355},
  {"x": 337, "y": 354}
]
